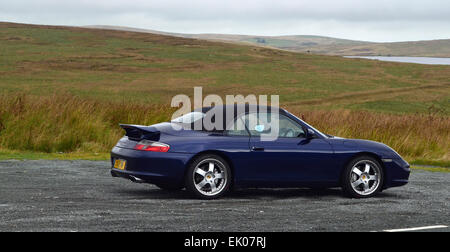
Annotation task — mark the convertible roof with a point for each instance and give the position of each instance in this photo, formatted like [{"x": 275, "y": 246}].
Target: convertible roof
[{"x": 236, "y": 110}]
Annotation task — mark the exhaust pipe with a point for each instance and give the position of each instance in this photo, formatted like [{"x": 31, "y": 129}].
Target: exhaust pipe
[{"x": 136, "y": 180}]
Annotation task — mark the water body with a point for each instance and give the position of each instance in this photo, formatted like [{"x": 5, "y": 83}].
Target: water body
[{"x": 417, "y": 60}]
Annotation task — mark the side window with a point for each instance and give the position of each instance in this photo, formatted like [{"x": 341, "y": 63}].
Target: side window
[
  {"x": 237, "y": 128},
  {"x": 261, "y": 123}
]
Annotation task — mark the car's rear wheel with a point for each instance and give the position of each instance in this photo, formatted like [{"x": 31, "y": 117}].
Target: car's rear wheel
[
  {"x": 208, "y": 177},
  {"x": 363, "y": 177}
]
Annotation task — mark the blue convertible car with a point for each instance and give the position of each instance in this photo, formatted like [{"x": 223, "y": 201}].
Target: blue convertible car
[{"x": 209, "y": 162}]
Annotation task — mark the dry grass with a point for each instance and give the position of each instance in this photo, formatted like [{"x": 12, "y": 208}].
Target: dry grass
[
  {"x": 416, "y": 136},
  {"x": 65, "y": 123}
]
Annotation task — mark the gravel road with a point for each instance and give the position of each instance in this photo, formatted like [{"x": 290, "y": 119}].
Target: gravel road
[{"x": 82, "y": 196}]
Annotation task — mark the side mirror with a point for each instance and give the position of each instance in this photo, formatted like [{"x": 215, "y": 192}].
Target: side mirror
[{"x": 311, "y": 134}]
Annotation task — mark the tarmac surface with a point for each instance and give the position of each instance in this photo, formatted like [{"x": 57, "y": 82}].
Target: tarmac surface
[{"x": 82, "y": 196}]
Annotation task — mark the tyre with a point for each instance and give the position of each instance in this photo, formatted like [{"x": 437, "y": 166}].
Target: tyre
[
  {"x": 208, "y": 177},
  {"x": 169, "y": 187},
  {"x": 363, "y": 177}
]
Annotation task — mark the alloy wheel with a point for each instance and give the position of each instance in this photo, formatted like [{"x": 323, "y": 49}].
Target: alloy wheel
[
  {"x": 365, "y": 177},
  {"x": 210, "y": 177}
]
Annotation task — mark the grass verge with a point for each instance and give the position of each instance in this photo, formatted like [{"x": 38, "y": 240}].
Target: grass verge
[
  {"x": 431, "y": 169},
  {"x": 439, "y": 163},
  {"x": 26, "y": 155}
]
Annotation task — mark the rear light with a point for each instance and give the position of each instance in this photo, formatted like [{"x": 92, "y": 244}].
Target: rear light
[{"x": 146, "y": 145}]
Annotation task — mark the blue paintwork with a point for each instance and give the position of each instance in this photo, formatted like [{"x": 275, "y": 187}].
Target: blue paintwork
[{"x": 286, "y": 162}]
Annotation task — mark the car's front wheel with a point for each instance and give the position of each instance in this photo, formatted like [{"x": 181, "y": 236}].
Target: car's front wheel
[
  {"x": 363, "y": 177},
  {"x": 208, "y": 177}
]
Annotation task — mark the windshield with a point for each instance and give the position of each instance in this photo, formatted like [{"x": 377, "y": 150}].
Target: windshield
[
  {"x": 320, "y": 133},
  {"x": 189, "y": 118}
]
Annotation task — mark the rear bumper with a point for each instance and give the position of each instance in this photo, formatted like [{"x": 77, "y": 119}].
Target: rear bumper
[{"x": 151, "y": 167}]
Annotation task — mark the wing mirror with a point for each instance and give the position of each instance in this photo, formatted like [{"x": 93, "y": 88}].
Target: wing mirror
[{"x": 311, "y": 134}]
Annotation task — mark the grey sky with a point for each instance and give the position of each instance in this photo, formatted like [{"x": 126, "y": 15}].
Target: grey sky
[{"x": 371, "y": 20}]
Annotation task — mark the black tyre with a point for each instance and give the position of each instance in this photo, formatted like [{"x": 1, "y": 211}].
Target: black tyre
[
  {"x": 363, "y": 177},
  {"x": 208, "y": 177}
]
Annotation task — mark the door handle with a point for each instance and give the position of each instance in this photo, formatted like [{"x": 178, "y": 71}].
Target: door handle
[{"x": 254, "y": 148}]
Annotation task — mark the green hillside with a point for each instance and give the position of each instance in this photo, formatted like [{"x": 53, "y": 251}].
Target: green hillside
[{"x": 115, "y": 65}]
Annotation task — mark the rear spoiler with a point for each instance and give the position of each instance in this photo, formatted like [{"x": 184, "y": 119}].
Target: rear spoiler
[{"x": 139, "y": 132}]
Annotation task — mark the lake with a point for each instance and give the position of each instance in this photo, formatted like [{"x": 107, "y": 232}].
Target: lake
[{"x": 417, "y": 60}]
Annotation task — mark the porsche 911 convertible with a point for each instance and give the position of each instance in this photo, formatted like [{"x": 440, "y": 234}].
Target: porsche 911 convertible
[{"x": 210, "y": 162}]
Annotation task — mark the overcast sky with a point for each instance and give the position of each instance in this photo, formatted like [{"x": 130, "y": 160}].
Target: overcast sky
[{"x": 370, "y": 20}]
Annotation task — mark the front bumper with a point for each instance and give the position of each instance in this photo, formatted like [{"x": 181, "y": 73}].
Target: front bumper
[
  {"x": 151, "y": 167},
  {"x": 397, "y": 173}
]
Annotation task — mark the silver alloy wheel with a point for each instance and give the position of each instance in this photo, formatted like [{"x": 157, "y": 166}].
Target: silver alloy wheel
[
  {"x": 365, "y": 177},
  {"x": 210, "y": 177}
]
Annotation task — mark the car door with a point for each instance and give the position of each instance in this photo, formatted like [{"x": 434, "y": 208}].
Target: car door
[{"x": 290, "y": 159}]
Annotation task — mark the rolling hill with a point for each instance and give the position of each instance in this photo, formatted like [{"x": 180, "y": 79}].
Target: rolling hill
[{"x": 321, "y": 45}]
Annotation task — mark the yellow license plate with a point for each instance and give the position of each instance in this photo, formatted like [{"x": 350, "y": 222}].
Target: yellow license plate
[{"x": 120, "y": 164}]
